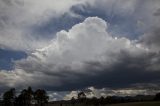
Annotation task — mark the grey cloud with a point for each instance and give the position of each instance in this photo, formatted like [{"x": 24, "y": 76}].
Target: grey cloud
[
  {"x": 127, "y": 17},
  {"x": 157, "y": 13},
  {"x": 151, "y": 39},
  {"x": 87, "y": 55},
  {"x": 73, "y": 61},
  {"x": 18, "y": 17}
]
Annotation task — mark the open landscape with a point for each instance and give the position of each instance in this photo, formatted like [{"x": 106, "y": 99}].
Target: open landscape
[
  {"x": 121, "y": 104},
  {"x": 137, "y": 104},
  {"x": 39, "y": 97}
]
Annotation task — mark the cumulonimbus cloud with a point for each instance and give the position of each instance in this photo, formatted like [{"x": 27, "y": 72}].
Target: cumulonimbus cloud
[{"x": 86, "y": 51}]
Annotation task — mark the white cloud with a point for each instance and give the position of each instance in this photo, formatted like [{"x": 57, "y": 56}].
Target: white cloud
[
  {"x": 76, "y": 51},
  {"x": 70, "y": 95},
  {"x": 17, "y": 17},
  {"x": 87, "y": 42}
]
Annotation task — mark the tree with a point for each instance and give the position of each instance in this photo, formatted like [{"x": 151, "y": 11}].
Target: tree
[
  {"x": 25, "y": 98},
  {"x": 9, "y": 97},
  {"x": 29, "y": 95},
  {"x": 102, "y": 100},
  {"x": 81, "y": 95},
  {"x": 95, "y": 101},
  {"x": 41, "y": 96},
  {"x": 157, "y": 97},
  {"x": 73, "y": 100},
  {"x": 19, "y": 100}
]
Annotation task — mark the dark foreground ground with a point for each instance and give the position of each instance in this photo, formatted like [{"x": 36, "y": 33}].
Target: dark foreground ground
[
  {"x": 153, "y": 103},
  {"x": 120, "y": 104},
  {"x": 137, "y": 104}
]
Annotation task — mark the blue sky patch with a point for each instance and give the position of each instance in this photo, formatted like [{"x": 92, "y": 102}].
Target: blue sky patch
[
  {"x": 55, "y": 25},
  {"x": 8, "y": 56}
]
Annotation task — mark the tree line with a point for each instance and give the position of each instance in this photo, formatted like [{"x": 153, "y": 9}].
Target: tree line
[
  {"x": 82, "y": 99},
  {"x": 28, "y": 97},
  {"x": 25, "y": 98}
]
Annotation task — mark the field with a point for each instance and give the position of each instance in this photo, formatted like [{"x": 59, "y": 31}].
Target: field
[
  {"x": 120, "y": 104},
  {"x": 137, "y": 104}
]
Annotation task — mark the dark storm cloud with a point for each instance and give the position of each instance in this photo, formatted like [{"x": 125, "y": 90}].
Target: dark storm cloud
[
  {"x": 103, "y": 61},
  {"x": 87, "y": 54},
  {"x": 122, "y": 75},
  {"x": 157, "y": 13},
  {"x": 151, "y": 37},
  {"x": 126, "y": 73}
]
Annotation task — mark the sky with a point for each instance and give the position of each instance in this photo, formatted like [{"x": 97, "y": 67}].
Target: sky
[{"x": 103, "y": 47}]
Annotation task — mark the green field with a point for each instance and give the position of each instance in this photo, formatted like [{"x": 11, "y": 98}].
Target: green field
[{"x": 137, "y": 104}]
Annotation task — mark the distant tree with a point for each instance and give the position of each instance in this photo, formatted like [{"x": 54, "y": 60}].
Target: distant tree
[
  {"x": 73, "y": 100},
  {"x": 101, "y": 100},
  {"x": 30, "y": 95},
  {"x": 109, "y": 99},
  {"x": 25, "y": 98},
  {"x": 18, "y": 101},
  {"x": 9, "y": 97},
  {"x": 95, "y": 101},
  {"x": 157, "y": 97},
  {"x": 81, "y": 95},
  {"x": 41, "y": 96}
]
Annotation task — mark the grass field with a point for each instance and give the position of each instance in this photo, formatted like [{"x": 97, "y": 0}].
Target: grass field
[
  {"x": 137, "y": 104},
  {"x": 120, "y": 104}
]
